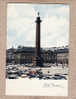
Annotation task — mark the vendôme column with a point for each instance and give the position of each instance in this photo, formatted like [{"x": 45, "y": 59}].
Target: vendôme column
[{"x": 38, "y": 60}]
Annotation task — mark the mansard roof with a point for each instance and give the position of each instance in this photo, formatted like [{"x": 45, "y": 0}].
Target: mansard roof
[{"x": 65, "y": 50}]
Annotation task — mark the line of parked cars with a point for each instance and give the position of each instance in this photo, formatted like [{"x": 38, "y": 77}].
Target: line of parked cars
[{"x": 13, "y": 72}]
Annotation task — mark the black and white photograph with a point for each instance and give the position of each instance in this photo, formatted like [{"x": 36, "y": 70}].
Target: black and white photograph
[{"x": 37, "y": 49}]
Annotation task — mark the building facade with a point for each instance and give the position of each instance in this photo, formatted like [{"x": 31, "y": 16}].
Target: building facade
[{"x": 25, "y": 55}]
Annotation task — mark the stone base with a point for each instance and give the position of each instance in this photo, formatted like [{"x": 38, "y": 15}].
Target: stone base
[{"x": 38, "y": 62}]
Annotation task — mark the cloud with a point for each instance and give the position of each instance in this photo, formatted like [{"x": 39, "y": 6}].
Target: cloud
[
  {"x": 21, "y": 26},
  {"x": 56, "y": 29}
]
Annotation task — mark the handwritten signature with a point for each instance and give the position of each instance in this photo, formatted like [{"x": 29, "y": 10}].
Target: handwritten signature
[{"x": 46, "y": 85}]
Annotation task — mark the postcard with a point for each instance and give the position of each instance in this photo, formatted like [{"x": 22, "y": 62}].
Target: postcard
[{"x": 37, "y": 49}]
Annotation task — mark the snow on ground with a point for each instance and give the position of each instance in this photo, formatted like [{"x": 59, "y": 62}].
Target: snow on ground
[{"x": 36, "y": 87}]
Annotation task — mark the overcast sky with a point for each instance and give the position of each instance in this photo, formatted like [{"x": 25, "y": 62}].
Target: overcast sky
[{"x": 21, "y": 27}]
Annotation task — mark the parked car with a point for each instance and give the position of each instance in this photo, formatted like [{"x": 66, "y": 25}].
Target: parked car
[
  {"x": 13, "y": 76},
  {"x": 23, "y": 76}
]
